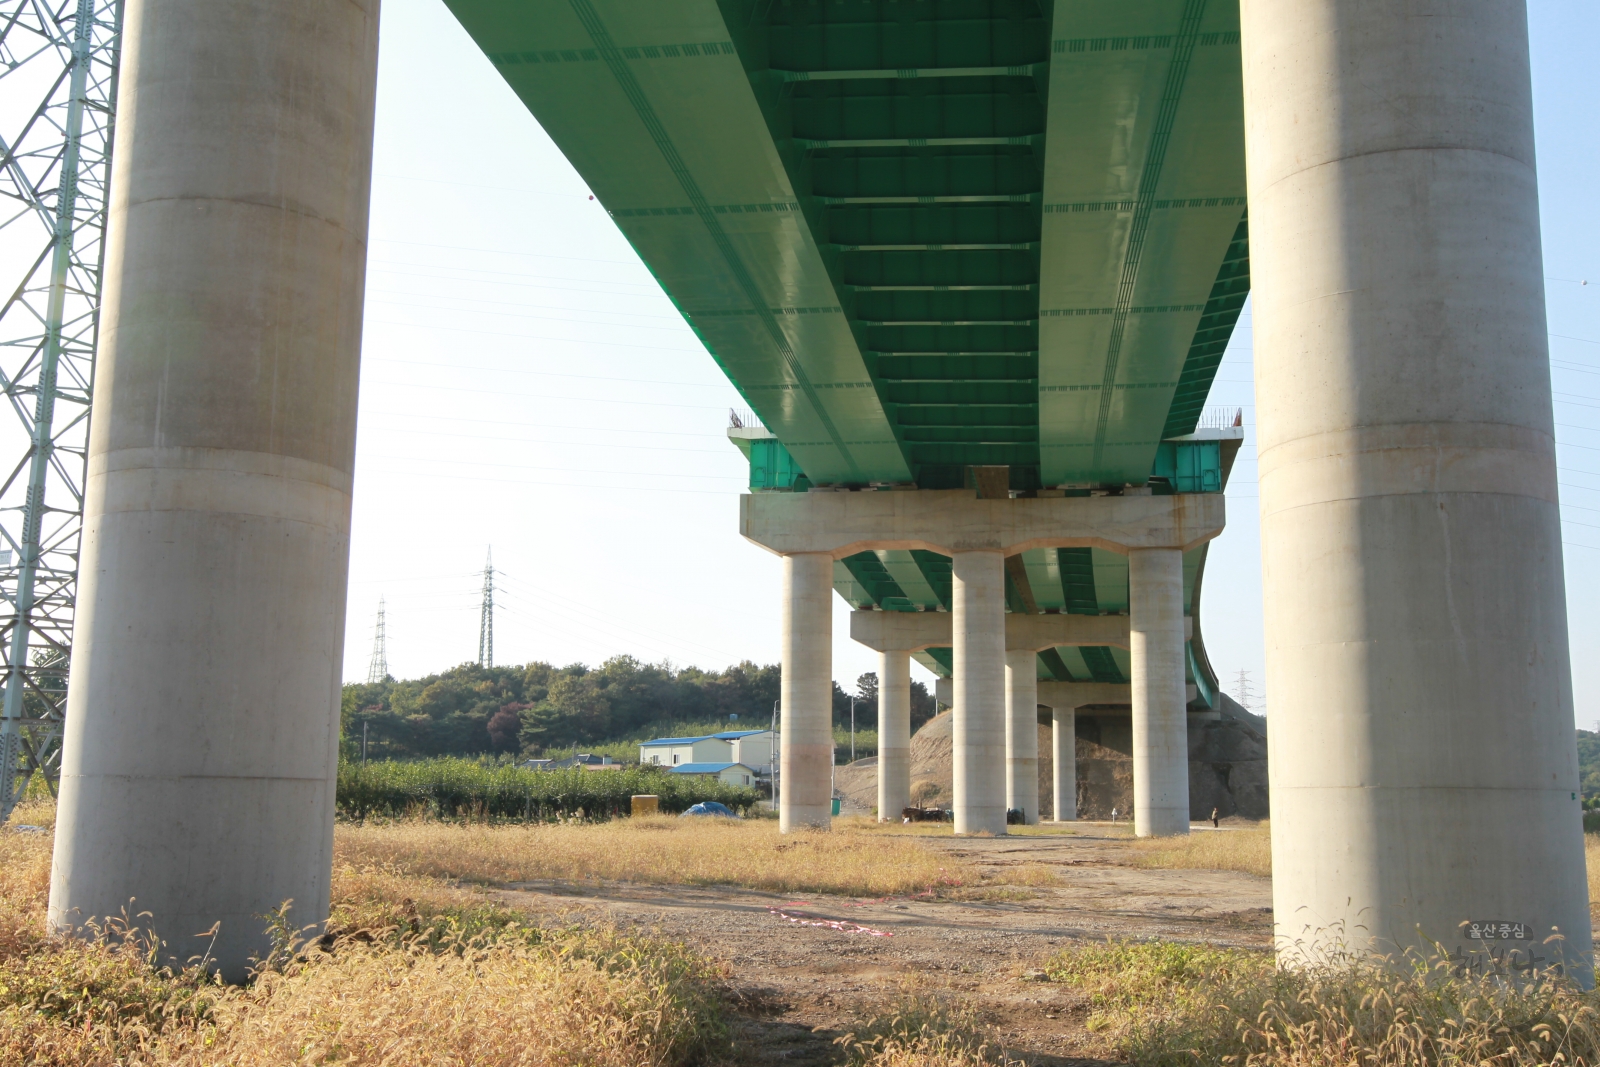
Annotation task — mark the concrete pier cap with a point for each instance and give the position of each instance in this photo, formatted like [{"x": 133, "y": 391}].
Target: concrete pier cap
[{"x": 957, "y": 520}]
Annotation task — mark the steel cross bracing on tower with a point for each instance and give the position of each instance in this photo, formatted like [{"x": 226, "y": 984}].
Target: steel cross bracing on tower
[{"x": 58, "y": 89}]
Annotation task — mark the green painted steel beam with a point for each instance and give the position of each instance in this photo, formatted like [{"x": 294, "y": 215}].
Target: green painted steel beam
[{"x": 923, "y": 234}]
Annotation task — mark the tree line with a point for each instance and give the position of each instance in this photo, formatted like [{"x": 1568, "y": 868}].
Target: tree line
[{"x": 536, "y": 708}]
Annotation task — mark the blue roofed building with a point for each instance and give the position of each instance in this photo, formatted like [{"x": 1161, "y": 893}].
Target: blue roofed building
[
  {"x": 726, "y": 773},
  {"x": 753, "y": 748}
]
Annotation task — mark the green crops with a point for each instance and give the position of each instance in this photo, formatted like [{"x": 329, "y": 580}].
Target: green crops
[{"x": 458, "y": 788}]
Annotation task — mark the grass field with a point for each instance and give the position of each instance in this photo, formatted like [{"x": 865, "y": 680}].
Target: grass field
[
  {"x": 426, "y": 968},
  {"x": 422, "y": 972},
  {"x": 1163, "y": 1004},
  {"x": 661, "y": 849},
  {"x": 1248, "y": 850}
]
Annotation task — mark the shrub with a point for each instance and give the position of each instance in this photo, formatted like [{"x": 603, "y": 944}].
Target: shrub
[{"x": 1162, "y": 1004}]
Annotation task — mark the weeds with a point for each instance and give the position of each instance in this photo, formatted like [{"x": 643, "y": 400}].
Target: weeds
[
  {"x": 412, "y": 970},
  {"x": 918, "y": 1030},
  {"x": 1162, "y": 1005},
  {"x": 1248, "y": 850},
  {"x": 659, "y": 850}
]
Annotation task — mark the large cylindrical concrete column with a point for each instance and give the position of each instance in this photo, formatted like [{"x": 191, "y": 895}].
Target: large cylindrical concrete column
[
  {"x": 1160, "y": 720},
  {"x": 1422, "y": 750},
  {"x": 894, "y": 734},
  {"x": 805, "y": 795},
  {"x": 978, "y": 717},
  {"x": 1064, "y": 762},
  {"x": 202, "y": 726},
  {"x": 1022, "y": 734}
]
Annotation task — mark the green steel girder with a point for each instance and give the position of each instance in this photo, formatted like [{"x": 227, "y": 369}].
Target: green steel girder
[{"x": 919, "y": 235}]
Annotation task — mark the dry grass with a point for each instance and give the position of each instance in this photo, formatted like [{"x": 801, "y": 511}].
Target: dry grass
[
  {"x": 421, "y": 972},
  {"x": 1160, "y": 1004},
  {"x": 1591, "y": 853},
  {"x": 1248, "y": 850},
  {"x": 661, "y": 850},
  {"x": 921, "y": 1029}
]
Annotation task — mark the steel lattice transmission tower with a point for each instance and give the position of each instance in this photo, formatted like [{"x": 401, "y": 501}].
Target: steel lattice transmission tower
[
  {"x": 58, "y": 93},
  {"x": 486, "y": 618},
  {"x": 1246, "y": 697},
  {"x": 378, "y": 668}
]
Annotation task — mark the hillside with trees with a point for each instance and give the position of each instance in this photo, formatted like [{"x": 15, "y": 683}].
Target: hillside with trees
[{"x": 536, "y": 708}]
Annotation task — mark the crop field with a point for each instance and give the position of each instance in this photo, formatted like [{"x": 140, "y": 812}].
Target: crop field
[{"x": 461, "y": 788}]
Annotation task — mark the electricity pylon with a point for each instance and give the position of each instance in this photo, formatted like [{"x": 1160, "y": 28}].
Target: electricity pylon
[
  {"x": 55, "y": 176},
  {"x": 378, "y": 667},
  {"x": 486, "y": 617},
  {"x": 1245, "y": 696}
]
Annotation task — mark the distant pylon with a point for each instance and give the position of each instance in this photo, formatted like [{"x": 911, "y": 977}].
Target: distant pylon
[
  {"x": 378, "y": 669},
  {"x": 486, "y": 620},
  {"x": 1245, "y": 696}
]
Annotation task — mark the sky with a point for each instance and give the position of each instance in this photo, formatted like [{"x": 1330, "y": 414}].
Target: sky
[{"x": 527, "y": 388}]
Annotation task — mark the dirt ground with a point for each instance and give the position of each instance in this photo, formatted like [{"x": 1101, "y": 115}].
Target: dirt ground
[{"x": 805, "y": 970}]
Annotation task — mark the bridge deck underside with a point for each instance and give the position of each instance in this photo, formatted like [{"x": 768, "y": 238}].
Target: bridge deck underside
[
  {"x": 1074, "y": 581},
  {"x": 920, "y": 235}
]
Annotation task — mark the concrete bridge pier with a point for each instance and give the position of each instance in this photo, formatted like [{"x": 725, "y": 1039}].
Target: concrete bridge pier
[
  {"x": 894, "y": 734},
  {"x": 978, "y": 719},
  {"x": 1423, "y": 758},
  {"x": 810, "y": 530},
  {"x": 202, "y": 728},
  {"x": 1064, "y": 762},
  {"x": 1160, "y": 716},
  {"x": 1022, "y": 734},
  {"x": 805, "y": 797}
]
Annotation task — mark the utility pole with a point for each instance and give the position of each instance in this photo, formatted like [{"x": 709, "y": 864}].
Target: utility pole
[
  {"x": 772, "y": 759},
  {"x": 852, "y": 729},
  {"x": 55, "y": 169},
  {"x": 486, "y": 617},
  {"x": 378, "y": 668}
]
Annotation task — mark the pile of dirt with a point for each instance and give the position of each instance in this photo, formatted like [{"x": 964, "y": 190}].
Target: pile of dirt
[
  {"x": 932, "y": 772},
  {"x": 1227, "y": 766}
]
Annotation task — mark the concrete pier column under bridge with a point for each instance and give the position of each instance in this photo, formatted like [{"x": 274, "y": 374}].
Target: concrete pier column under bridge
[
  {"x": 202, "y": 727},
  {"x": 1423, "y": 759},
  {"x": 1064, "y": 762},
  {"x": 1160, "y": 719},
  {"x": 978, "y": 722},
  {"x": 805, "y": 794},
  {"x": 894, "y": 734},
  {"x": 1022, "y": 734}
]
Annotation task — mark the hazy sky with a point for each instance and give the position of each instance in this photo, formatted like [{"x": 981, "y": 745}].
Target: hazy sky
[{"x": 526, "y": 385}]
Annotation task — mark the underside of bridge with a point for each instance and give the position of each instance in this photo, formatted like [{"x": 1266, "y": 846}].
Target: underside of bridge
[{"x": 922, "y": 236}]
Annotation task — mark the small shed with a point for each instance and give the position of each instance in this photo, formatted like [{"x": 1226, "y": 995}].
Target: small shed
[{"x": 726, "y": 773}]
